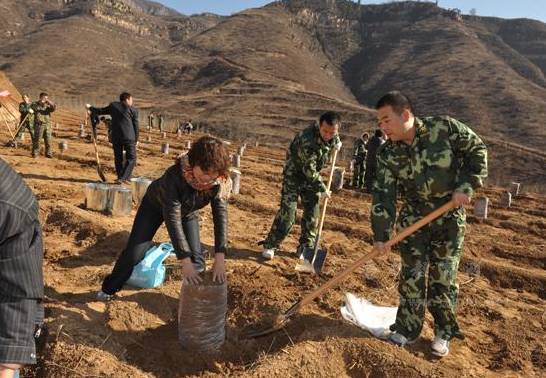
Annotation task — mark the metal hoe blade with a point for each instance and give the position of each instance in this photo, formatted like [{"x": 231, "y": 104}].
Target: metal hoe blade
[{"x": 279, "y": 322}]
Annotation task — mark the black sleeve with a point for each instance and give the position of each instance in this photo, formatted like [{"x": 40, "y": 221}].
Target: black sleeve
[
  {"x": 220, "y": 219},
  {"x": 102, "y": 111},
  {"x": 172, "y": 214},
  {"x": 21, "y": 254},
  {"x": 134, "y": 114}
]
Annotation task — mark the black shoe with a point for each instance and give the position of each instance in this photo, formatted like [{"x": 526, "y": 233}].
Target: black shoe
[{"x": 49, "y": 156}]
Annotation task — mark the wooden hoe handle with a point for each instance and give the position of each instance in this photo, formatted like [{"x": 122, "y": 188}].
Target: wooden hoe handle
[{"x": 355, "y": 265}]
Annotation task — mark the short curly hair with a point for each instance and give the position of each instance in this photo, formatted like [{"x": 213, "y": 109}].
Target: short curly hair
[{"x": 210, "y": 154}]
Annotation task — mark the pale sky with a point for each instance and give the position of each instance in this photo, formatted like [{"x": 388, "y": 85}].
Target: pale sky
[{"x": 535, "y": 9}]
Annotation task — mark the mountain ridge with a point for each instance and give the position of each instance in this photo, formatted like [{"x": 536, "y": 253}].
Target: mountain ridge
[{"x": 266, "y": 72}]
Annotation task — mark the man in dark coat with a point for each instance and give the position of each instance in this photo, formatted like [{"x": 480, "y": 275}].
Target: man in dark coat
[
  {"x": 124, "y": 134},
  {"x": 371, "y": 159}
]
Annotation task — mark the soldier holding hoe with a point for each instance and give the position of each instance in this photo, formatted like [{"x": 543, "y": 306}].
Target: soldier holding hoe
[
  {"x": 427, "y": 162},
  {"x": 27, "y": 117}
]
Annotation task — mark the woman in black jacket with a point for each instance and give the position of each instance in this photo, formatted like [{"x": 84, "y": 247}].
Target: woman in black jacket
[{"x": 195, "y": 180}]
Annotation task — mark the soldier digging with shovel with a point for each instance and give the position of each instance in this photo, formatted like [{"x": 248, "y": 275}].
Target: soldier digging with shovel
[{"x": 306, "y": 156}]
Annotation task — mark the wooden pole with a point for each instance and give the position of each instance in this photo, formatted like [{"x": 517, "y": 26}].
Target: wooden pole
[{"x": 398, "y": 237}]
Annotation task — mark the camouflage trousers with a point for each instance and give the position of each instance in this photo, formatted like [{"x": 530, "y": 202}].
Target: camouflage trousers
[
  {"x": 436, "y": 248},
  {"x": 41, "y": 131},
  {"x": 286, "y": 216},
  {"x": 358, "y": 174},
  {"x": 21, "y": 130}
]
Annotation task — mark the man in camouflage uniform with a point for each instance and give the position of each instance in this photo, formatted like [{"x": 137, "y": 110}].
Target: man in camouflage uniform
[
  {"x": 27, "y": 118},
  {"x": 42, "y": 124},
  {"x": 427, "y": 162},
  {"x": 306, "y": 156},
  {"x": 359, "y": 161}
]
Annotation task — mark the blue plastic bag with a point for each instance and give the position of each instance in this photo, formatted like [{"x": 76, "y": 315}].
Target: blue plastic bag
[{"x": 150, "y": 272}]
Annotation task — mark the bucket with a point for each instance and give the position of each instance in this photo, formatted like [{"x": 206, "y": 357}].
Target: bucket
[
  {"x": 82, "y": 131},
  {"x": 111, "y": 189},
  {"x": 139, "y": 186},
  {"x": 164, "y": 135},
  {"x": 236, "y": 181},
  {"x": 165, "y": 148},
  {"x": 506, "y": 200},
  {"x": 63, "y": 146},
  {"x": 96, "y": 196},
  {"x": 202, "y": 315},
  {"x": 236, "y": 161},
  {"x": 514, "y": 188},
  {"x": 120, "y": 201}
]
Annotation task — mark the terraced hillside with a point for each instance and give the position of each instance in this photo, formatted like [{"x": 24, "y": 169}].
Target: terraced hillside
[{"x": 265, "y": 73}]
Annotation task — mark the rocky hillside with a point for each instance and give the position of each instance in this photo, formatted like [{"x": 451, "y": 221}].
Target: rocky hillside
[
  {"x": 488, "y": 72},
  {"x": 265, "y": 73},
  {"x": 89, "y": 48}
]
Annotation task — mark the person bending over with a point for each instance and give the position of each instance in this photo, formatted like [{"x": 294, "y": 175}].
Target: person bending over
[{"x": 195, "y": 180}]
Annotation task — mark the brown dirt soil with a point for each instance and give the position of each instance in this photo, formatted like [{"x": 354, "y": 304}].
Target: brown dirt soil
[{"x": 502, "y": 276}]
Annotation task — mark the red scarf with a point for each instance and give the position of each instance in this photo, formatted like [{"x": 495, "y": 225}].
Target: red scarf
[
  {"x": 194, "y": 183},
  {"x": 187, "y": 171}
]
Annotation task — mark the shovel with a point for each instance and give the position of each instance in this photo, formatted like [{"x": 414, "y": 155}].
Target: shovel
[
  {"x": 282, "y": 319},
  {"x": 99, "y": 168},
  {"x": 21, "y": 125},
  {"x": 313, "y": 259}
]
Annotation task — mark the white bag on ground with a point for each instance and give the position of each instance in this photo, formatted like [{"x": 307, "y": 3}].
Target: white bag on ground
[{"x": 372, "y": 318}]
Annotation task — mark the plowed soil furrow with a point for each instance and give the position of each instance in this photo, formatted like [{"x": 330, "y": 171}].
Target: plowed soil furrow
[{"x": 501, "y": 304}]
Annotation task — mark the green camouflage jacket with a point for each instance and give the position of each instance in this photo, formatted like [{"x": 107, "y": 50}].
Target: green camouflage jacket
[
  {"x": 24, "y": 110},
  {"x": 446, "y": 156},
  {"x": 306, "y": 156},
  {"x": 359, "y": 150},
  {"x": 42, "y": 113}
]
